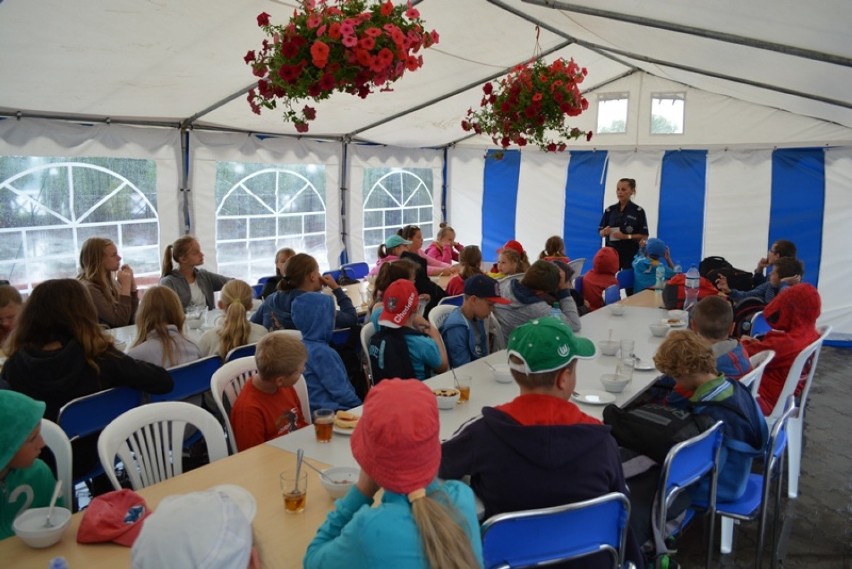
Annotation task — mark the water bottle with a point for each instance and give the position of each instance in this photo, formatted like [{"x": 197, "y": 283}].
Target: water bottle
[
  {"x": 555, "y": 311},
  {"x": 661, "y": 277},
  {"x": 691, "y": 288}
]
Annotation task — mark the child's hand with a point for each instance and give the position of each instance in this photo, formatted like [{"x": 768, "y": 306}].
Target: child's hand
[
  {"x": 328, "y": 280},
  {"x": 722, "y": 284}
]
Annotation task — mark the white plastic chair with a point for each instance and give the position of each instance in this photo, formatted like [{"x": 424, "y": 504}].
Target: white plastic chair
[
  {"x": 759, "y": 361},
  {"x": 796, "y": 424},
  {"x": 367, "y": 332},
  {"x": 577, "y": 265},
  {"x": 58, "y": 443},
  {"x": 439, "y": 314},
  {"x": 149, "y": 441},
  {"x": 228, "y": 381}
]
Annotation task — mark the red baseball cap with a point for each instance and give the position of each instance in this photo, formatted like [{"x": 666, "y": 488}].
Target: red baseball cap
[
  {"x": 399, "y": 302},
  {"x": 115, "y": 516},
  {"x": 513, "y": 245}
]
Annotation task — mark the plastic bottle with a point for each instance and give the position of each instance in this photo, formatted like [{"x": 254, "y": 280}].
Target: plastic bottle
[
  {"x": 661, "y": 277},
  {"x": 691, "y": 285},
  {"x": 556, "y": 311}
]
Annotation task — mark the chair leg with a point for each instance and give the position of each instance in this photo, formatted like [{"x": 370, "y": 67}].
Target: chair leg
[
  {"x": 726, "y": 538},
  {"x": 794, "y": 455},
  {"x": 712, "y": 515}
]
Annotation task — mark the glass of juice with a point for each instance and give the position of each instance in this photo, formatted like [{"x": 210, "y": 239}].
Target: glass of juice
[
  {"x": 323, "y": 424},
  {"x": 463, "y": 385},
  {"x": 294, "y": 490}
]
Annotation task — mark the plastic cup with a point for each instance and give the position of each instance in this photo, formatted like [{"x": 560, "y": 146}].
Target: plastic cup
[
  {"x": 294, "y": 491},
  {"x": 463, "y": 385},
  {"x": 323, "y": 424}
]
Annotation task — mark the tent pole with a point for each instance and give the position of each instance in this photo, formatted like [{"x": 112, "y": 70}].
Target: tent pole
[
  {"x": 344, "y": 195},
  {"x": 184, "y": 189},
  {"x": 694, "y": 31}
]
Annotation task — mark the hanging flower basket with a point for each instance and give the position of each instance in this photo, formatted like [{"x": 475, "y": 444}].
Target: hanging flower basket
[
  {"x": 334, "y": 45},
  {"x": 531, "y": 105}
]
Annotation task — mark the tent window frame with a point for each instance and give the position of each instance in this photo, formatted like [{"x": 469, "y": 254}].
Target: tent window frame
[
  {"x": 608, "y": 100},
  {"x": 658, "y": 98}
]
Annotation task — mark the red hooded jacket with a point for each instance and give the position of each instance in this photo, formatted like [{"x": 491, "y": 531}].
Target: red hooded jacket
[
  {"x": 602, "y": 275},
  {"x": 792, "y": 315}
]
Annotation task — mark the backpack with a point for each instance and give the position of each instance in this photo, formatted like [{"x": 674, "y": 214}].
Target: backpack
[
  {"x": 737, "y": 279},
  {"x": 674, "y": 291},
  {"x": 744, "y": 311},
  {"x": 654, "y": 429},
  {"x": 389, "y": 355},
  {"x": 711, "y": 264}
]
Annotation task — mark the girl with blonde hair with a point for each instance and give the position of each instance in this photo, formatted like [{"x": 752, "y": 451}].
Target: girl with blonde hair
[
  {"x": 423, "y": 521},
  {"x": 444, "y": 247},
  {"x": 159, "y": 330},
  {"x": 235, "y": 330},
  {"x": 115, "y": 297},
  {"x": 194, "y": 286}
]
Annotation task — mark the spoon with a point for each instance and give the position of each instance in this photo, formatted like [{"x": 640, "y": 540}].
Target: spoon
[
  {"x": 56, "y": 490},
  {"x": 317, "y": 470},
  {"x": 300, "y": 456},
  {"x": 489, "y": 365},
  {"x": 455, "y": 379}
]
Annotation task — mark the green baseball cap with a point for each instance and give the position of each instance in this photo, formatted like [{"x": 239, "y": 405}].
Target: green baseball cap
[{"x": 547, "y": 344}]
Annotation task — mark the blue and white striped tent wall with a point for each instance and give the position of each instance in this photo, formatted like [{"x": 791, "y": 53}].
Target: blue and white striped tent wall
[{"x": 717, "y": 202}]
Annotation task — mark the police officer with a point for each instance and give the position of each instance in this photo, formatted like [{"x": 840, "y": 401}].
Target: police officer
[{"x": 623, "y": 224}]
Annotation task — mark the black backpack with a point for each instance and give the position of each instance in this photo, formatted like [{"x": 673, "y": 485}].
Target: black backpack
[
  {"x": 712, "y": 263},
  {"x": 389, "y": 356},
  {"x": 744, "y": 311},
  {"x": 737, "y": 279}
]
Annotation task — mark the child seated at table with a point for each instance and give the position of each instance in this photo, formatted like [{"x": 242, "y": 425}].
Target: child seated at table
[
  {"x": 10, "y": 306},
  {"x": 405, "y": 345},
  {"x": 465, "y": 329},
  {"x": 470, "y": 261},
  {"x": 268, "y": 406},
  {"x": 234, "y": 330},
  {"x": 421, "y": 521},
  {"x": 554, "y": 250},
  {"x": 26, "y": 480},
  {"x": 328, "y": 385},
  {"x": 512, "y": 260},
  {"x": 540, "y": 439},
  {"x": 602, "y": 275},
  {"x": 786, "y": 271},
  {"x": 210, "y": 529},
  {"x": 713, "y": 320},
  {"x": 646, "y": 261},
  {"x": 792, "y": 316},
  {"x": 159, "y": 330}
]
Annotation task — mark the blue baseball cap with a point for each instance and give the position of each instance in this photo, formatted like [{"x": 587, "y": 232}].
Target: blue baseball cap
[{"x": 655, "y": 248}]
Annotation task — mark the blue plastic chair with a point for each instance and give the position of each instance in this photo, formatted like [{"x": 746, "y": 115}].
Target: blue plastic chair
[
  {"x": 686, "y": 464},
  {"x": 262, "y": 280},
  {"x": 258, "y": 288},
  {"x": 759, "y": 325},
  {"x": 190, "y": 379},
  {"x": 335, "y": 274},
  {"x": 625, "y": 278},
  {"x": 611, "y": 294},
  {"x": 578, "y": 284},
  {"x": 752, "y": 505},
  {"x": 356, "y": 270},
  {"x": 241, "y": 352},
  {"x": 456, "y": 300},
  {"x": 90, "y": 414},
  {"x": 537, "y": 537}
]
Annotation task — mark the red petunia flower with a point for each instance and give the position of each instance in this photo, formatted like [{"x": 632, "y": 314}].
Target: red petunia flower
[
  {"x": 367, "y": 43},
  {"x": 263, "y": 19},
  {"x": 319, "y": 53},
  {"x": 301, "y": 126},
  {"x": 387, "y": 8}
]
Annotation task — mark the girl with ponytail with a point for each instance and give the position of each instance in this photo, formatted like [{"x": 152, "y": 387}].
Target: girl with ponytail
[{"x": 234, "y": 330}]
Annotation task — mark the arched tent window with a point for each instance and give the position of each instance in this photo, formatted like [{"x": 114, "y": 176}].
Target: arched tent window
[
  {"x": 50, "y": 206},
  {"x": 395, "y": 197},
  {"x": 261, "y": 209}
]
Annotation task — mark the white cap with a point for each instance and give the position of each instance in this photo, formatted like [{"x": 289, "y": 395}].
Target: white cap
[{"x": 209, "y": 529}]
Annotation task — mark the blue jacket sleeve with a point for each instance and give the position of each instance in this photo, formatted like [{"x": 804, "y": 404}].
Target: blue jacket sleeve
[
  {"x": 457, "y": 342},
  {"x": 335, "y": 544},
  {"x": 346, "y": 316}
]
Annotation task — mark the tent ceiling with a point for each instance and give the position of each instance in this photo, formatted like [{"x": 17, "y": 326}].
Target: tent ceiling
[{"x": 170, "y": 61}]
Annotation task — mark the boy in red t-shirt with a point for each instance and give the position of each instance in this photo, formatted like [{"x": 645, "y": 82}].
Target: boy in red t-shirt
[{"x": 268, "y": 406}]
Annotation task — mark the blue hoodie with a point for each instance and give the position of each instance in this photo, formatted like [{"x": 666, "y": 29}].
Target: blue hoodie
[
  {"x": 280, "y": 304},
  {"x": 460, "y": 340},
  {"x": 328, "y": 385}
]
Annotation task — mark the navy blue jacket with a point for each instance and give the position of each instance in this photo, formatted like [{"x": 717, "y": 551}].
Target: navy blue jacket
[{"x": 280, "y": 305}]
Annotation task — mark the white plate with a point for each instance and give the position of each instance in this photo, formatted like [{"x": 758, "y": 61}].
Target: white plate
[
  {"x": 340, "y": 431},
  {"x": 591, "y": 397},
  {"x": 644, "y": 365},
  {"x": 678, "y": 324}
]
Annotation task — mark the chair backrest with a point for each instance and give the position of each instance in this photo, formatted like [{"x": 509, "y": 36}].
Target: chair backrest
[
  {"x": 758, "y": 361},
  {"x": 808, "y": 356},
  {"x": 262, "y": 280},
  {"x": 356, "y": 270},
  {"x": 148, "y": 440},
  {"x": 58, "y": 443},
  {"x": 686, "y": 464},
  {"x": 625, "y": 278},
  {"x": 190, "y": 379},
  {"x": 335, "y": 274},
  {"x": 778, "y": 440},
  {"x": 496, "y": 339},
  {"x": 611, "y": 294},
  {"x": 91, "y": 413},
  {"x": 537, "y": 537},
  {"x": 257, "y": 289},
  {"x": 577, "y": 266},
  {"x": 439, "y": 314},
  {"x": 241, "y": 352},
  {"x": 578, "y": 284},
  {"x": 367, "y": 332},
  {"x": 759, "y": 325},
  {"x": 456, "y": 300}
]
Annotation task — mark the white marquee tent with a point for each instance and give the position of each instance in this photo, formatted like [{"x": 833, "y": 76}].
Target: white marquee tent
[{"x": 766, "y": 150}]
